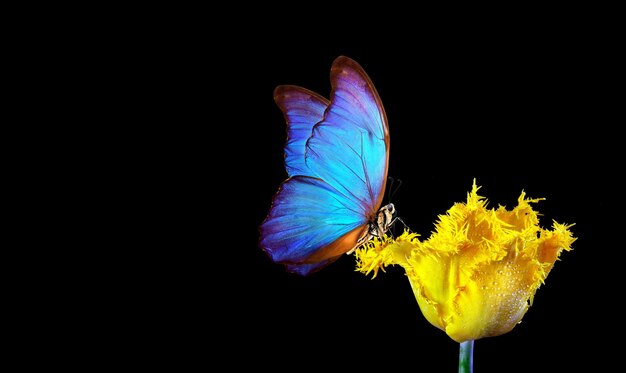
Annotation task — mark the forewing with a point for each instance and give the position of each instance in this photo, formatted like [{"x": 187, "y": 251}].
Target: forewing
[
  {"x": 302, "y": 109},
  {"x": 349, "y": 148}
]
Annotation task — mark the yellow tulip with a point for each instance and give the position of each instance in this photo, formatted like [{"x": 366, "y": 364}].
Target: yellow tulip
[{"x": 476, "y": 275}]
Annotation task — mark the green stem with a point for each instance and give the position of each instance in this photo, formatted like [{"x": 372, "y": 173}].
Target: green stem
[{"x": 466, "y": 357}]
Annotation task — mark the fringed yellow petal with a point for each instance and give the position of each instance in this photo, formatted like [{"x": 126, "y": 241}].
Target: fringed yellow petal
[
  {"x": 379, "y": 253},
  {"x": 477, "y": 274}
]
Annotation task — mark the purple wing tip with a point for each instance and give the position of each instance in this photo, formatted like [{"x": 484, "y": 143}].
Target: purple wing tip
[
  {"x": 348, "y": 67},
  {"x": 343, "y": 63},
  {"x": 343, "y": 60},
  {"x": 283, "y": 92}
]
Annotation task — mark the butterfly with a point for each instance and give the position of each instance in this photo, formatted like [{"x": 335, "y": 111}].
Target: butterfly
[{"x": 336, "y": 158}]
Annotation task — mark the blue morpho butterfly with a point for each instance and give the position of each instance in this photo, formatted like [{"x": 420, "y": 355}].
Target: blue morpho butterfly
[{"x": 336, "y": 156}]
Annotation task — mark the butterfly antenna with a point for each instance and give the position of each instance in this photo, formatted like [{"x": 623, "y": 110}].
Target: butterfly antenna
[{"x": 392, "y": 192}]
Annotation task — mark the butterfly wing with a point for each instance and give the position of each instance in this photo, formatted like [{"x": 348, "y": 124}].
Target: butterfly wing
[
  {"x": 349, "y": 149},
  {"x": 307, "y": 215},
  {"x": 302, "y": 110},
  {"x": 321, "y": 213}
]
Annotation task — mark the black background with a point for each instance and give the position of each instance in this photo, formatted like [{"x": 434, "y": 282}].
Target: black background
[
  {"x": 177, "y": 152},
  {"x": 532, "y": 114}
]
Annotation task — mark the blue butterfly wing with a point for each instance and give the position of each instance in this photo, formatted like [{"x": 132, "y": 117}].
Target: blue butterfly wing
[
  {"x": 307, "y": 215},
  {"x": 337, "y": 175},
  {"x": 302, "y": 110},
  {"x": 349, "y": 149}
]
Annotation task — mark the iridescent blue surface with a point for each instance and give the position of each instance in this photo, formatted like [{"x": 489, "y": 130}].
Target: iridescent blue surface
[
  {"x": 336, "y": 156},
  {"x": 302, "y": 109}
]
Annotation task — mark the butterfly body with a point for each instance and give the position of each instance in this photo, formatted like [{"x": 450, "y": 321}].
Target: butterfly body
[{"x": 336, "y": 158}]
